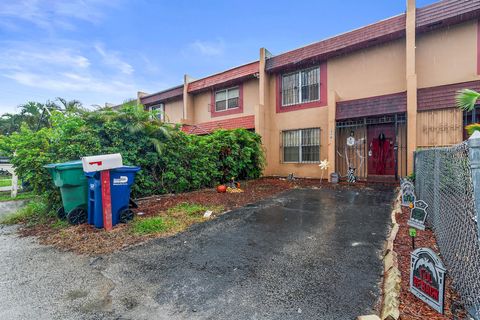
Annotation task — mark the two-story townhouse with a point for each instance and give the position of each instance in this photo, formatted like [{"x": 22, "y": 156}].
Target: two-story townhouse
[{"x": 364, "y": 99}]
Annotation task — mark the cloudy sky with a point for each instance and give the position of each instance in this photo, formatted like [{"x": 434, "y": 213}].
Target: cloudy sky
[{"x": 99, "y": 51}]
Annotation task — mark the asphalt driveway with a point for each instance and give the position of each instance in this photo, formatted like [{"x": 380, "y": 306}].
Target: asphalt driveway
[{"x": 305, "y": 254}]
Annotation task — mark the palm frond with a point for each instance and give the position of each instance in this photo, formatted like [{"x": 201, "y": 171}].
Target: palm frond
[
  {"x": 158, "y": 145},
  {"x": 136, "y": 127},
  {"x": 466, "y": 99}
]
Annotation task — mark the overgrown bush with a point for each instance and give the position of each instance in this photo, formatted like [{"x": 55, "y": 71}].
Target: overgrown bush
[{"x": 171, "y": 161}]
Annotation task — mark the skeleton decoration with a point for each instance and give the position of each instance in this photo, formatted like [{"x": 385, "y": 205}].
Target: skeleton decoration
[
  {"x": 352, "y": 143},
  {"x": 351, "y": 178}
]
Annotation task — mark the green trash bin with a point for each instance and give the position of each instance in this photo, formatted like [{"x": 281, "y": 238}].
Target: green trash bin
[{"x": 71, "y": 180}]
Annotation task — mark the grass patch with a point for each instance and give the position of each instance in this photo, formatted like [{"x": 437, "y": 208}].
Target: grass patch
[
  {"x": 176, "y": 219},
  {"x": 5, "y": 182},
  {"x": 152, "y": 225},
  {"x": 6, "y": 196},
  {"x": 60, "y": 224},
  {"x": 34, "y": 212}
]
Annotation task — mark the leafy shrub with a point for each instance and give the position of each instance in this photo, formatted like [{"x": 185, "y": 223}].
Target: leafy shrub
[{"x": 171, "y": 161}]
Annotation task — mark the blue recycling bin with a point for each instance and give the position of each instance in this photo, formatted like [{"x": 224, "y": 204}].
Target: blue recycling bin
[{"x": 121, "y": 181}]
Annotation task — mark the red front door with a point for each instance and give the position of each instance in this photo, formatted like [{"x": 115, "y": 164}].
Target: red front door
[{"x": 381, "y": 154}]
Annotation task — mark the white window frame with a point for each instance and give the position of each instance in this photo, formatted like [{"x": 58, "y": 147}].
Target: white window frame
[
  {"x": 300, "y": 145},
  {"x": 226, "y": 98},
  {"x": 161, "y": 108},
  {"x": 299, "y": 72}
]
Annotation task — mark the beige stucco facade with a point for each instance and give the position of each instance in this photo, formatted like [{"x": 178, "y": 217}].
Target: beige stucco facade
[
  {"x": 403, "y": 66},
  {"x": 448, "y": 55},
  {"x": 369, "y": 72},
  {"x": 202, "y": 103},
  {"x": 174, "y": 111}
]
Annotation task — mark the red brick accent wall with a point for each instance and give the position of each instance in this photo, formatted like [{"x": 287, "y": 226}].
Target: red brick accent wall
[
  {"x": 215, "y": 113},
  {"x": 247, "y": 122},
  {"x": 226, "y": 77},
  {"x": 380, "y": 105},
  {"x": 443, "y": 96}
]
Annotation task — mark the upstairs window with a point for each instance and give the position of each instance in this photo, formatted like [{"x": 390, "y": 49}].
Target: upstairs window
[
  {"x": 302, "y": 146},
  {"x": 227, "y": 99},
  {"x": 301, "y": 86},
  {"x": 160, "y": 108}
]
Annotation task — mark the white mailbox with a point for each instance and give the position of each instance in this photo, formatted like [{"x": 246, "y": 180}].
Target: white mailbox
[{"x": 102, "y": 162}]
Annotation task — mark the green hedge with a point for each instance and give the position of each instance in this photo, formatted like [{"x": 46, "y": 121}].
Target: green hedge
[{"x": 171, "y": 160}]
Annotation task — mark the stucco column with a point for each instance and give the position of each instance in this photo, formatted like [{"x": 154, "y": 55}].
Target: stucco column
[
  {"x": 411, "y": 78},
  {"x": 263, "y": 80},
  {"x": 264, "y": 111},
  {"x": 332, "y": 109},
  {"x": 187, "y": 102}
]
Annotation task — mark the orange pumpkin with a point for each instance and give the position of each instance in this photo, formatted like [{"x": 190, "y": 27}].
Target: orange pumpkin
[{"x": 221, "y": 188}]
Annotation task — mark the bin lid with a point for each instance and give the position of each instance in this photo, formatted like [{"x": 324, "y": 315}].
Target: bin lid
[
  {"x": 77, "y": 164},
  {"x": 126, "y": 169}
]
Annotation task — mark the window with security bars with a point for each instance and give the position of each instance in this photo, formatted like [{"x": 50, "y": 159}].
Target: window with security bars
[
  {"x": 227, "y": 99},
  {"x": 301, "y": 86},
  {"x": 302, "y": 146}
]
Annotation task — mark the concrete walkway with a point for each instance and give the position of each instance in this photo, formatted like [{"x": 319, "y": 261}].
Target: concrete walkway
[{"x": 306, "y": 254}]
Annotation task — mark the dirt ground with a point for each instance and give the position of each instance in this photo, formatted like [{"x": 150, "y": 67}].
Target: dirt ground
[
  {"x": 86, "y": 239},
  {"x": 412, "y": 308}
]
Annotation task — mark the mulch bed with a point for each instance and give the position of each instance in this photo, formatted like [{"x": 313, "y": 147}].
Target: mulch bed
[
  {"x": 254, "y": 190},
  {"x": 410, "y": 306}
]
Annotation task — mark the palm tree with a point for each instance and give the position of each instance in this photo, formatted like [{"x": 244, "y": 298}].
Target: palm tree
[
  {"x": 467, "y": 99},
  {"x": 72, "y": 106}
]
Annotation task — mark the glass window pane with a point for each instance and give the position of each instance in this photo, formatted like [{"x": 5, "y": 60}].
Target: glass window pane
[
  {"x": 291, "y": 143},
  {"x": 232, "y": 103},
  {"x": 220, "y": 95},
  {"x": 310, "y": 153},
  {"x": 291, "y": 138},
  {"x": 220, "y": 105},
  {"x": 233, "y": 93},
  {"x": 290, "y": 89},
  {"x": 310, "y": 85},
  {"x": 311, "y": 145},
  {"x": 291, "y": 154}
]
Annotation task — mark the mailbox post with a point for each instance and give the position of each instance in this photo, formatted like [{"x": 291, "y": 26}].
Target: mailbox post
[{"x": 104, "y": 163}]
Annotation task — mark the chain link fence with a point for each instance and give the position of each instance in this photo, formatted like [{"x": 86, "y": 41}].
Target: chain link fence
[{"x": 443, "y": 180}]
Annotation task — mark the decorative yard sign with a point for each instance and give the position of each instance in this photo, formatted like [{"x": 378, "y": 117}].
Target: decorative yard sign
[
  {"x": 418, "y": 214},
  {"x": 427, "y": 278},
  {"x": 408, "y": 192}
]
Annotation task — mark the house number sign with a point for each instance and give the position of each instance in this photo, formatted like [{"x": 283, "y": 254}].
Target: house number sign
[{"x": 427, "y": 278}]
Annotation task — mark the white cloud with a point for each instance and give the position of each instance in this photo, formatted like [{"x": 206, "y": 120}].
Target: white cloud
[
  {"x": 112, "y": 59},
  {"x": 50, "y": 14},
  {"x": 66, "y": 82},
  {"x": 208, "y": 48},
  {"x": 59, "y": 70}
]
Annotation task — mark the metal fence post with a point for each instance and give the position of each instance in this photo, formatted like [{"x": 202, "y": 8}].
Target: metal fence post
[
  {"x": 436, "y": 188},
  {"x": 474, "y": 156}
]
